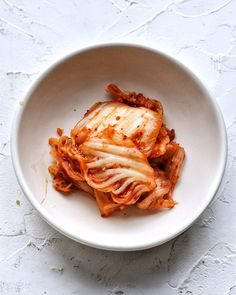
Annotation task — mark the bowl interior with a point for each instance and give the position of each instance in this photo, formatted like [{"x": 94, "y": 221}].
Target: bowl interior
[{"x": 61, "y": 98}]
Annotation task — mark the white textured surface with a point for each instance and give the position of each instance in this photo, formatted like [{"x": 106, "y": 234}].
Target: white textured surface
[{"x": 34, "y": 259}]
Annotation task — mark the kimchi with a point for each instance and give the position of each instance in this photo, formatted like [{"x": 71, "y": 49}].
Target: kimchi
[{"x": 121, "y": 153}]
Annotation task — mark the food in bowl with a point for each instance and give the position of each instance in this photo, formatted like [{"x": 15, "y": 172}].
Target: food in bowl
[{"x": 121, "y": 153}]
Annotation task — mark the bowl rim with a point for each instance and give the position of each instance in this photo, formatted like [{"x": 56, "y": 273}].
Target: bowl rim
[{"x": 46, "y": 215}]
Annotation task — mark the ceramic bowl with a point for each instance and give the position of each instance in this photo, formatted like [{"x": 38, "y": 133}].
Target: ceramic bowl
[{"x": 60, "y": 97}]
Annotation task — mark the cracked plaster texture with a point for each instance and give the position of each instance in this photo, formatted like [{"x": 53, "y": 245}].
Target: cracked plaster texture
[{"x": 34, "y": 258}]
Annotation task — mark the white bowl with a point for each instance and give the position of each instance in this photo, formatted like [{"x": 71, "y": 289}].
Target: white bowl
[{"x": 59, "y": 99}]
